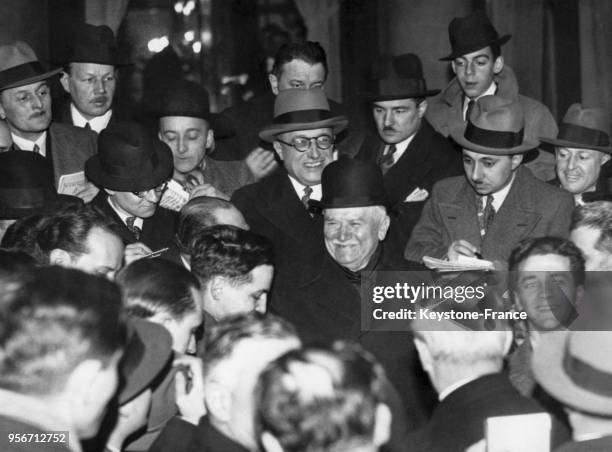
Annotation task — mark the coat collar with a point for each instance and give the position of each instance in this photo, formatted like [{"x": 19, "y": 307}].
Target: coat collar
[{"x": 507, "y": 87}]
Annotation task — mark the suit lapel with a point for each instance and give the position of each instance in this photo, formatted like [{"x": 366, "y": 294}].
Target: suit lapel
[
  {"x": 460, "y": 216},
  {"x": 101, "y": 202}
]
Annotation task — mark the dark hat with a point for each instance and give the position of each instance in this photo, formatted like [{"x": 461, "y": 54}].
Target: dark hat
[
  {"x": 148, "y": 350},
  {"x": 584, "y": 128},
  {"x": 301, "y": 109},
  {"x": 94, "y": 44},
  {"x": 496, "y": 126},
  {"x": 128, "y": 159},
  {"x": 19, "y": 66},
  {"x": 351, "y": 183},
  {"x": 471, "y": 33},
  {"x": 26, "y": 186},
  {"x": 399, "y": 77}
]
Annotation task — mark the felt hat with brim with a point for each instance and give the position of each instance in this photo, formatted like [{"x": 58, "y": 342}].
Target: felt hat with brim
[
  {"x": 351, "y": 183},
  {"x": 496, "y": 126},
  {"x": 26, "y": 186},
  {"x": 19, "y": 66},
  {"x": 471, "y": 33},
  {"x": 399, "y": 77},
  {"x": 575, "y": 368},
  {"x": 301, "y": 109},
  {"x": 129, "y": 159},
  {"x": 583, "y": 128},
  {"x": 147, "y": 353},
  {"x": 94, "y": 44}
]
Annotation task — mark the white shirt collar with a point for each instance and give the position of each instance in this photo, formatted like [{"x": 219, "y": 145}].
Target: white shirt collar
[
  {"x": 97, "y": 124},
  {"x": 400, "y": 148},
  {"x": 500, "y": 196},
  {"x": 27, "y": 145},
  {"x": 490, "y": 91},
  {"x": 299, "y": 189},
  {"x": 124, "y": 216}
]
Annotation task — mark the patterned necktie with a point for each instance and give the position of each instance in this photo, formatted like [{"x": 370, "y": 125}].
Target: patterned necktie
[
  {"x": 469, "y": 109},
  {"x": 387, "y": 160},
  {"x": 306, "y": 196},
  {"x": 36, "y": 149},
  {"x": 486, "y": 213},
  {"x": 87, "y": 126},
  {"x": 129, "y": 222}
]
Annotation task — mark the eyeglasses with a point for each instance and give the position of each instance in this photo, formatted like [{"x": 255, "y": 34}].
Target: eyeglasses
[
  {"x": 158, "y": 190},
  {"x": 302, "y": 144}
]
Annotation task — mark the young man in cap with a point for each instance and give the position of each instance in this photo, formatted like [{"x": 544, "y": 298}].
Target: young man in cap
[
  {"x": 582, "y": 148},
  {"x": 497, "y": 202},
  {"x": 479, "y": 68},
  {"x": 410, "y": 153},
  {"x": 25, "y": 103},
  {"x": 133, "y": 170},
  {"x": 89, "y": 79}
]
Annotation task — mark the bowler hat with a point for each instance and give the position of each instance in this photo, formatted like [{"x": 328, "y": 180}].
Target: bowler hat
[
  {"x": 26, "y": 186},
  {"x": 351, "y": 183},
  {"x": 471, "y": 33},
  {"x": 148, "y": 350},
  {"x": 19, "y": 66},
  {"x": 496, "y": 126},
  {"x": 575, "y": 368},
  {"x": 301, "y": 109},
  {"x": 94, "y": 44},
  {"x": 128, "y": 159},
  {"x": 399, "y": 77},
  {"x": 584, "y": 128}
]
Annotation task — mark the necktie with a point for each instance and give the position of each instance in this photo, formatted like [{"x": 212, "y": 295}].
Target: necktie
[
  {"x": 87, "y": 126},
  {"x": 306, "y": 196},
  {"x": 387, "y": 160},
  {"x": 129, "y": 222},
  {"x": 36, "y": 149},
  {"x": 486, "y": 213},
  {"x": 469, "y": 109}
]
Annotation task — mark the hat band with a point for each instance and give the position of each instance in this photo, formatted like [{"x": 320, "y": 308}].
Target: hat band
[
  {"x": 493, "y": 138},
  {"x": 583, "y": 135},
  {"x": 302, "y": 116},
  {"x": 24, "y": 198},
  {"x": 130, "y": 171},
  {"x": 351, "y": 201},
  {"x": 21, "y": 72},
  {"x": 586, "y": 376}
]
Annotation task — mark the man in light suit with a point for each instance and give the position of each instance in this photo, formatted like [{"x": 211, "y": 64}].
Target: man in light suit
[
  {"x": 25, "y": 103},
  {"x": 498, "y": 202}
]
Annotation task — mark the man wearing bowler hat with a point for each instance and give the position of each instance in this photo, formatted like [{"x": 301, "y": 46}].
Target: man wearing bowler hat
[
  {"x": 25, "y": 103},
  {"x": 133, "y": 170},
  {"x": 498, "y": 202},
  {"x": 582, "y": 148},
  {"x": 410, "y": 153},
  {"x": 89, "y": 79},
  {"x": 480, "y": 70}
]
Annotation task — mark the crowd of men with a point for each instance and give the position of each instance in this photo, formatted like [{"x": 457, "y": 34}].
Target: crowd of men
[{"x": 233, "y": 320}]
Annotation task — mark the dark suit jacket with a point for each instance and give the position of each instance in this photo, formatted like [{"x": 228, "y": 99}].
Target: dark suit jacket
[
  {"x": 157, "y": 231},
  {"x": 227, "y": 176},
  {"x": 208, "y": 438},
  {"x": 603, "y": 444},
  {"x": 531, "y": 209},
  {"x": 9, "y": 425},
  {"x": 62, "y": 114},
  {"x": 428, "y": 158}
]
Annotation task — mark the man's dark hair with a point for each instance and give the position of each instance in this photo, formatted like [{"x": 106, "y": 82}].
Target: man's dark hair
[
  {"x": 229, "y": 251},
  {"x": 495, "y": 50},
  {"x": 334, "y": 412},
  {"x": 596, "y": 215},
  {"x": 195, "y": 216},
  {"x": 151, "y": 286},
  {"x": 23, "y": 235},
  {"x": 69, "y": 229},
  {"x": 308, "y": 51},
  {"x": 546, "y": 245},
  {"x": 14, "y": 260},
  {"x": 52, "y": 319}
]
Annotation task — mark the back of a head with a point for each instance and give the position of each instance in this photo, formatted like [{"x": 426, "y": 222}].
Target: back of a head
[
  {"x": 308, "y": 51},
  {"x": 23, "y": 235},
  {"x": 51, "y": 320},
  {"x": 15, "y": 260},
  {"x": 316, "y": 399},
  {"x": 598, "y": 216}
]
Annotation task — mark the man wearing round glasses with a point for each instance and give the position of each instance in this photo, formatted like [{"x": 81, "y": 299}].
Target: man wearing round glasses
[{"x": 133, "y": 169}]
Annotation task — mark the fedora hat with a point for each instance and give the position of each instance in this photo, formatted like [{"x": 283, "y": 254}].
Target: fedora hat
[
  {"x": 94, "y": 44},
  {"x": 585, "y": 128},
  {"x": 19, "y": 66},
  {"x": 148, "y": 350},
  {"x": 399, "y": 77},
  {"x": 351, "y": 183},
  {"x": 575, "y": 368},
  {"x": 496, "y": 127},
  {"x": 26, "y": 186},
  {"x": 301, "y": 109},
  {"x": 128, "y": 159},
  {"x": 471, "y": 33}
]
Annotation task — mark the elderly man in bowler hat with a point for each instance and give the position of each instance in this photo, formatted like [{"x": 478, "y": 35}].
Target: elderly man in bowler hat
[
  {"x": 582, "y": 148},
  {"x": 133, "y": 170},
  {"x": 25, "y": 103},
  {"x": 410, "y": 153},
  {"x": 497, "y": 203},
  {"x": 89, "y": 79},
  {"x": 479, "y": 67}
]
